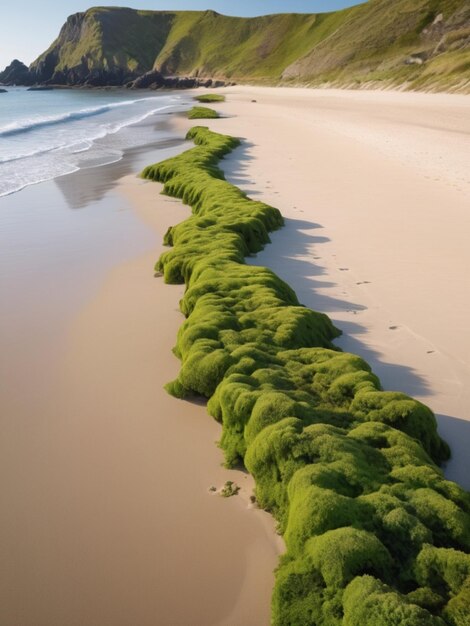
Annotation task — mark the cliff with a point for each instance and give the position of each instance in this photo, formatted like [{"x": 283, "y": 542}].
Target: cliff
[{"x": 422, "y": 44}]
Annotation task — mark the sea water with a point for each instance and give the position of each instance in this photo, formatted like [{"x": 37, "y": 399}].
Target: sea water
[{"x": 46, "y": 134}]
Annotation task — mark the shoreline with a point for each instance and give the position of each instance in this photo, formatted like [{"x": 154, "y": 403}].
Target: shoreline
[
  {"x": 87, "y": 130},
  {"x": 108, "y": 490},
  {"x": 369, "y": 86}
]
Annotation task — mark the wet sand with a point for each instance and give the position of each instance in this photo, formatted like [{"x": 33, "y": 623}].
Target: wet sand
[
  {"x": 106, "y": 514},
  {"x": 375, "y": 187}
]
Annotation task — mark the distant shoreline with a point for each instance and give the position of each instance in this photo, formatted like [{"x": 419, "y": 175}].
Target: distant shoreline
[{"x": 370, "y": 86}]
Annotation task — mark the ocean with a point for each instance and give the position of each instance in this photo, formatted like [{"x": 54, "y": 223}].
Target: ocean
[{"x": 46, "y": 134}]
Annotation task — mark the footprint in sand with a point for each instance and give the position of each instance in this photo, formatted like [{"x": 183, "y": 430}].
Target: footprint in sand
[
  {"x": 392, "y": 327},
  {"x": 344, "y": 269}
]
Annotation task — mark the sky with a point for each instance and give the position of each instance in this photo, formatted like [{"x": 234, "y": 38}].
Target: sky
[{"x": 30, "y": 26}]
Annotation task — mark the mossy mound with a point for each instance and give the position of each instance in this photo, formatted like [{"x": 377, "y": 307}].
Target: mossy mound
[
  {"x": 202, "y": 113},
  {"x": 375, "y": 535},
  {"x": 210, "y": 97}
]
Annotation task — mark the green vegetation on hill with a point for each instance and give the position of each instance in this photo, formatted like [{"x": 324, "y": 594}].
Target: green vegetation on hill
[
  {"x": 232, "y": 47},
  {"x": 108, "y": 39},
  {"x": 416, "y": 43},
  {"x": 375, "y": 535}
]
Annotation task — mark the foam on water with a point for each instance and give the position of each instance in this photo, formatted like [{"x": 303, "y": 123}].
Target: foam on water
[{"x": 48, "y": 134}]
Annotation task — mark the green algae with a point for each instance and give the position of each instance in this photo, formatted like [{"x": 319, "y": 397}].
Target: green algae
[
  {"x": 375, "y": 534},
  {"x": 201, "y": 113},
  {"x": 210, "y": 97}
]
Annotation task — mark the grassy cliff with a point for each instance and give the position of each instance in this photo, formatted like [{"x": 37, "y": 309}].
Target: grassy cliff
[
  {"x": 419, "y": 43},
  {"x": 375, "y": 535}
]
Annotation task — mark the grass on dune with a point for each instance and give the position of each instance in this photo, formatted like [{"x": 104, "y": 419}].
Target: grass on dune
[
  {"x": 200, "y": 113},
  {"x": 375, "y": 535}
]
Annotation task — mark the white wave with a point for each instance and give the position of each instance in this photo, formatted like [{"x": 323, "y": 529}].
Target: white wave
[
  {"x": 65, "y": 150},
  {"x": 84, "y": 143},
  {"x": 25, "y": 126},
  {"x": 18, "y": 184}
]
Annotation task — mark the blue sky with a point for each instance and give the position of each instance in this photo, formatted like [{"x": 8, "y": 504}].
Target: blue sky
[{"x": 29, "y": 26}]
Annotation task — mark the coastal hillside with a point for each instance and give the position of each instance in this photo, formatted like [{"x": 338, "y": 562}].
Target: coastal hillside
[{"x": 418, "y": 44}]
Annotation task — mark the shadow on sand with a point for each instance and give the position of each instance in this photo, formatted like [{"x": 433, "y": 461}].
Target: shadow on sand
[
  {"x": 456, "y": 432},
  {"x": 291, "y": 258},
  {"x": 286, "y": 257}
]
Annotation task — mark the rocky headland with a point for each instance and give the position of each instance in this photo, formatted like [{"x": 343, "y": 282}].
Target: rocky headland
[{"x": 410, "y": 44}]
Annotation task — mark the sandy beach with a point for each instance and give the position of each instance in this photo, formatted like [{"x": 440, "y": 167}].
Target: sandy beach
[
  {"x": 376, "y": 191},
  {"x": 107, "y": 515}
]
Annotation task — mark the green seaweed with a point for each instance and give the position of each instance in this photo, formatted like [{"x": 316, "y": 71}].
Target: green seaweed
[
  {"x": 210, "y": 97},
  {"x": 375, "y": 535},
  {"x": 229, "y": 489},
  {"x": 201, "y": 113}
]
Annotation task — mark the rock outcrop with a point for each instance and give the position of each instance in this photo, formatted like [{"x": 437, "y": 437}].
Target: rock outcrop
[
  {"x": 156, "y": 80},
  {"x": 17, "y": 73}
]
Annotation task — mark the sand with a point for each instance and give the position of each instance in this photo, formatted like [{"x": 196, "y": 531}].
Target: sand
[{"x": 375, "y": 187}]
